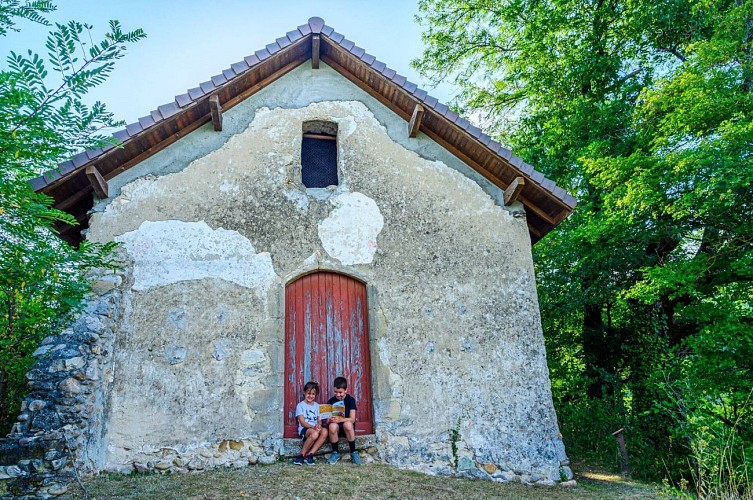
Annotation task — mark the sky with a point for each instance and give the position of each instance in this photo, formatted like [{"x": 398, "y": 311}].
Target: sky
[{"x": 189, "y": 41}]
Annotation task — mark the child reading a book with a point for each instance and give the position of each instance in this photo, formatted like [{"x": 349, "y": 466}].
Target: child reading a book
[
  {"x": 343, "y": 421},
  {"x": 309, "y": 425}
]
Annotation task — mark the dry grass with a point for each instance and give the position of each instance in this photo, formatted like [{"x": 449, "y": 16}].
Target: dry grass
[{"x": 323, "y": 481}]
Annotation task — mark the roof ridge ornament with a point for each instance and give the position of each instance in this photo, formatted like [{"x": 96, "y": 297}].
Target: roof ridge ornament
[{"x": 316, "y": 24}]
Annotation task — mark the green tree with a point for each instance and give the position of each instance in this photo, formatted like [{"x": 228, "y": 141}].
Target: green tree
[
  {"x": 43, "y": 122},
  {"x": 643, "y": 111}
]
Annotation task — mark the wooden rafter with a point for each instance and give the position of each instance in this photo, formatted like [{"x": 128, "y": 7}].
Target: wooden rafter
[
  {"x": 513, "y": 190},
  {"x": 97, "y": 181},
  {"x": 216, "y": 109},
  {"x": 415, "y": 120}
]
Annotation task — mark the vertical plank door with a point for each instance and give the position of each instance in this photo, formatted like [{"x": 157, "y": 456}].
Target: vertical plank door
[{"x": 326, "y": 336}]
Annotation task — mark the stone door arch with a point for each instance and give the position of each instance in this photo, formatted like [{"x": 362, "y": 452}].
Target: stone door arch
[{"x": 326, "y": 336}]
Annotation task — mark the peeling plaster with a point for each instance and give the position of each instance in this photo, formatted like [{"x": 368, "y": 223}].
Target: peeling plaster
[
  {"x": 167, "y": 252},
  {"x": 350, "y": 232}
]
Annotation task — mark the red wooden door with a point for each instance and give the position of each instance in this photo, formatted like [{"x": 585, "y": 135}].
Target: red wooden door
[{"x": 326, "y": 336}]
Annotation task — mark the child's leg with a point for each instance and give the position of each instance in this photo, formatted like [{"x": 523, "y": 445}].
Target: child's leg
[
  {"x": 311, "y": 437},
  {"x": 319, "y": 442},
  {"x": 334, "y": 438},
  {"x": 350, "y": 435}
]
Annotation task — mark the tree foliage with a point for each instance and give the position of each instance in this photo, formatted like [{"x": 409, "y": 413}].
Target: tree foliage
[
  {"x": 644, "y": 110},
  {"x": 43, "y": 122}
]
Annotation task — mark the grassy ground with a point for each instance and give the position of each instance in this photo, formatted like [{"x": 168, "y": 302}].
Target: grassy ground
[{"x": 323, "y": 481}]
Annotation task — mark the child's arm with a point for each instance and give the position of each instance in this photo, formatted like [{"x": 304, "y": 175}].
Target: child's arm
[{"x": 306, "y": 425}]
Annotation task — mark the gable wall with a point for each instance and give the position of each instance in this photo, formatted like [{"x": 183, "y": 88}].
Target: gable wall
[{"x": 218, "y": 223}]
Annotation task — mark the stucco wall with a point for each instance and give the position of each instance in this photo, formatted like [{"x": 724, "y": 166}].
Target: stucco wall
[{"x": 218, "y": 223}]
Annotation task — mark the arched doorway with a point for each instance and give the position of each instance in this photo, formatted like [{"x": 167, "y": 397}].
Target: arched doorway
[{"x": 326, "y": 336}]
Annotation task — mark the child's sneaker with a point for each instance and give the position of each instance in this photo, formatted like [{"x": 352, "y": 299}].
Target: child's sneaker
[
  {"x": 298, "y": 460},
  {"x": 310, "y": 460},
  {"x": 354, "y": 458},
  {"x": 333, "y": 458}
]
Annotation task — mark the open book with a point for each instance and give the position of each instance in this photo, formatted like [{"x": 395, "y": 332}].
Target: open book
[{"x": 334, "y": 410}]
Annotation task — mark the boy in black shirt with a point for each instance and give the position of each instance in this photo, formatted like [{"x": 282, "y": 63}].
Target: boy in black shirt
[{"x": 343, "y": 425}]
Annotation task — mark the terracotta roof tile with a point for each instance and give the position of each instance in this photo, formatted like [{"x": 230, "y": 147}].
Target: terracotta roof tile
[
  {"x": 526, "y": 168},
  {"x": 294, "y": 35},
  {"x": 251, "y": 60},
  {"x": 505, "y": 153},
  {"x": 146, "y": 121},
  {"x": 283, "y": 42},
  {"x": 183, "y": 100},
  {"x": 195, "y": 93},
  {"x": 570, "y": 200},
  {"x": 93, "y": 153},
  {"x": 316, "y": 24},
  {"x": 168, "y": 110},
  {"x": 262, "y": 54},
  {"x": 207, "y": 87},
  {"x": 78, "y": 160},
  {"x": 51, "y": 176},
  {"x": 133, "y": 128},
  {"x": 120, "y": 135},
  {"x": 38, "y": 183},
  {"x": 239, "y": 67},
  {"x": 218, "y": 80}
]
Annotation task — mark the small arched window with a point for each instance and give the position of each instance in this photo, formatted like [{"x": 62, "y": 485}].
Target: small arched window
[{"x": 319, "y": 154}]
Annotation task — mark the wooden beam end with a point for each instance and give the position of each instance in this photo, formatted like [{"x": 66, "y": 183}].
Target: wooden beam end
[
  {"x": 97, "y": 181},
  {"x": 315, "y": 51},
  {"x": 513, "y": 190},
  {"x": 415, "y": 120},
  {"x": 216, "y": 109}
]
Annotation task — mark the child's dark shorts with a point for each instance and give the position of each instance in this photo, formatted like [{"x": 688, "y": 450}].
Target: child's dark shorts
[
  {"x": 303, "y": 434},
  {"x": 341, "y": 430}
]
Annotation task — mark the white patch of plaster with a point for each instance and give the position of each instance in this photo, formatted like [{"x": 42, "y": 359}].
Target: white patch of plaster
[
  {"x": 167, "y": 252},
  {"x": 350, "y": 232}
]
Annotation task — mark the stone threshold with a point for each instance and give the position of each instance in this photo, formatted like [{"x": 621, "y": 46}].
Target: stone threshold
[{"x": 292, "y": 446}]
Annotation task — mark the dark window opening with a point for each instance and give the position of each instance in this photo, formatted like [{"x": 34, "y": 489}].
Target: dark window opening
[{"x": 319, "y": 154}]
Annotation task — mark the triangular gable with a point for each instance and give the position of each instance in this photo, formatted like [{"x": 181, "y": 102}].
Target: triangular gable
[{"x": 71, "y": 186}]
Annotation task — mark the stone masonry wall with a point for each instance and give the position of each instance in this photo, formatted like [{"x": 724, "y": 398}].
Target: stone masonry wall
[{"x": 58, "y": 435}]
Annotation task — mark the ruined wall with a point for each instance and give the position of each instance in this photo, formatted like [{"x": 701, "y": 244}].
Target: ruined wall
[{"x": 217, "y": 224}]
